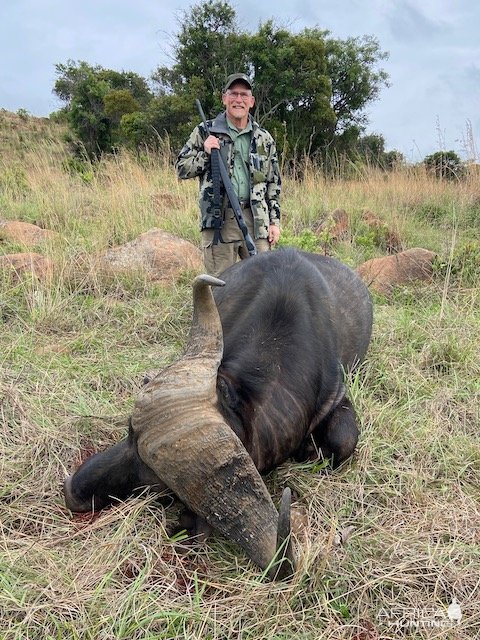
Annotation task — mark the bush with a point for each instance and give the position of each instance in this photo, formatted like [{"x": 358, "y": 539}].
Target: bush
[
  {"x": 464, "y": 266},
  {"x": 79, "y": 167},
  {"x": 306, "y": 240},
  {"x": 445, "y": 165},
  {"x": 23, "y": 114}
]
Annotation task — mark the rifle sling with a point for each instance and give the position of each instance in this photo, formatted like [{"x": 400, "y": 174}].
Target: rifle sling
[
  {"x": 220, "y": 173},
  {"x": 217, "y": 205}
]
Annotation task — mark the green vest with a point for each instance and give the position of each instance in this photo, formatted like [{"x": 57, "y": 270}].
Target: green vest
[{"x": 241, "y": 149}]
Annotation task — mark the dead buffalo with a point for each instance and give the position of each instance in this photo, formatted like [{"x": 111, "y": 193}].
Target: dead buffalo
[{"x": 262, "y": 380}]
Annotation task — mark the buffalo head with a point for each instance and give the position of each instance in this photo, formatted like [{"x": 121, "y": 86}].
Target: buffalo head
[{"x": 179, "y": 439}]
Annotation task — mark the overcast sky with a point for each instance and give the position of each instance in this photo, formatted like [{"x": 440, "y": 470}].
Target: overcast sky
[{"x": 434, "y": 47}]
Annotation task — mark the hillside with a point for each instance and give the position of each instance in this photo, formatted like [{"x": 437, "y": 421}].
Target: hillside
[
  {"x": 388, "y": 544},
  {"x": 25, "y": 133}
]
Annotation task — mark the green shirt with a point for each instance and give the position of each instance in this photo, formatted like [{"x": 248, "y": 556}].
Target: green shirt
[{"x": 241, "y": 172}]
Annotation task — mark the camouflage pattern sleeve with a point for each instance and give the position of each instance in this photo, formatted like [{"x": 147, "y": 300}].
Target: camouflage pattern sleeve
[{"x": 192, "y": 160}]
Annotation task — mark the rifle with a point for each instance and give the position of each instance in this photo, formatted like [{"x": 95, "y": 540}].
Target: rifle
[{"x": 219, "y": 171}]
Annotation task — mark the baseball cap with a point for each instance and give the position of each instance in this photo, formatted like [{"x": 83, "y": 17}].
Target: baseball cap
[{"x": 237, "y": 77}]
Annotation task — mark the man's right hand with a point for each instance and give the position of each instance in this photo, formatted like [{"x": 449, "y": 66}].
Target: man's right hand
[{"x": 212, "y": 142}]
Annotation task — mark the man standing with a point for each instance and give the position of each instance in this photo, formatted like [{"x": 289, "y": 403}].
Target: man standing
[{"x": 251, "y": 159}]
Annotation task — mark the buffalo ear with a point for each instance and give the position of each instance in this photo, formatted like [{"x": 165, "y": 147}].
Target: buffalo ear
[
  {"x": 228, "y": 392},
  {"x": 229, "y": 401}
]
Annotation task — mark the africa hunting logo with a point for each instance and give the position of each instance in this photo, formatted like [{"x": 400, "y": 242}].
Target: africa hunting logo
[{"x": 421, "y": 617}]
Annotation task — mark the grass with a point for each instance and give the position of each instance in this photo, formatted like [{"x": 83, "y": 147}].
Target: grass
[{"x": 384, "y": 543}]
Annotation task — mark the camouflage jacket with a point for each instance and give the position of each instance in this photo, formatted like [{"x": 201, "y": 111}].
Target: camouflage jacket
[{"x": 265, "y": 182}]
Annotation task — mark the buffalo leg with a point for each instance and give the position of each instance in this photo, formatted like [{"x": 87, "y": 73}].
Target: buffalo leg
[{"x": 335, "y": 437}]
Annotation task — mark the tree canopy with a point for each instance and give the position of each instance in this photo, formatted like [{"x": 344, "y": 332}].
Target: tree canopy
[
  {"x": 97, "y": 99},
  {"x": 312, "y": 91},
  {"x": 446, "y": 165}
]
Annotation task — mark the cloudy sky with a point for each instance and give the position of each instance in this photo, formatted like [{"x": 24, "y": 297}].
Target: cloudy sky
[{"x": 434, "y": 47}]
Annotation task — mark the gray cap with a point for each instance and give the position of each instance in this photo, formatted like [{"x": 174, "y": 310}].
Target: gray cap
[{"x": 237, "y": 77}]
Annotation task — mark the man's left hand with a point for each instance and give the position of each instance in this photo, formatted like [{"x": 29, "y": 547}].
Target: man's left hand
[{"x": 273, "y": 234}]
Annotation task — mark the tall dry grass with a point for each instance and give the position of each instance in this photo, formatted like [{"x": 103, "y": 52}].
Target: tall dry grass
[{"x": 385, "y": 543}]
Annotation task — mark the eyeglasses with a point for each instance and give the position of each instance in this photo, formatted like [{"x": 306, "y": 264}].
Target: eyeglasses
[{"x": 243, "y": 95}]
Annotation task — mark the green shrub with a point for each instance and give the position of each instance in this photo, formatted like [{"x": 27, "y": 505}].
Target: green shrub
[
  {"x": 434, "y": 212},
  {"x": 23, "y": 114},
  {"x": 306, "y": 240},
  {"x": 445, "y": 165},
  {"x": 370, "y": 239},
  {"x": 79, "y": 167},
  {"x": 463, "y": 267}
]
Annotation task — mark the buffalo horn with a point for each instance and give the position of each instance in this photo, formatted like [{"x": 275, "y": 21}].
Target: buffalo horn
[{"x": 183, "y": 438}]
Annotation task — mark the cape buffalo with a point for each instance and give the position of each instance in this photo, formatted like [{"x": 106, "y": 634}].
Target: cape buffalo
[{"x": 262, "y": 380}]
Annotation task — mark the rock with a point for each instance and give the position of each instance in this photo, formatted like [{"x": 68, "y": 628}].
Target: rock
[
  {"x": 341, "y": 224},
  {"x": 335, "y": 226},
  {"x": 383, "y": 274},
  {"x": 371, "y": 220},
  {"x": 389, "y": 239},
  {"x": 19, "y": 264},
  {"x": 25, "y": 233},
  {"x": 160, "y": 255}
]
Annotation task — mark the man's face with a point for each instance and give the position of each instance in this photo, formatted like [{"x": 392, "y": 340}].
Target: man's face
[{"x": 238, "y": 101}]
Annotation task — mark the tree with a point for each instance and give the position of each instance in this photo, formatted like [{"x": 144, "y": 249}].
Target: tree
[
  {"x": 445, "y": 165},
  {"x": 87, "y": 116},
  {"x": 292, "y": 87},
  {"x": 393, "y": 159},
  {"x": 96, "y": 99},
  {"x": 117, "y": 103},
  {"x": 135, "y": 129},
  {"x": 206, "y": 51},
  {"x": 355, "y": 77},
  {"x": 371, "y": 149},
  {"x": 312, "y": 88}
]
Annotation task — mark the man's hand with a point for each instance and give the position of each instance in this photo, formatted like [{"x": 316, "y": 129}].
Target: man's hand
[
  {"x": 273, "y": 234},
  {"x": 212, "y": 142}
]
